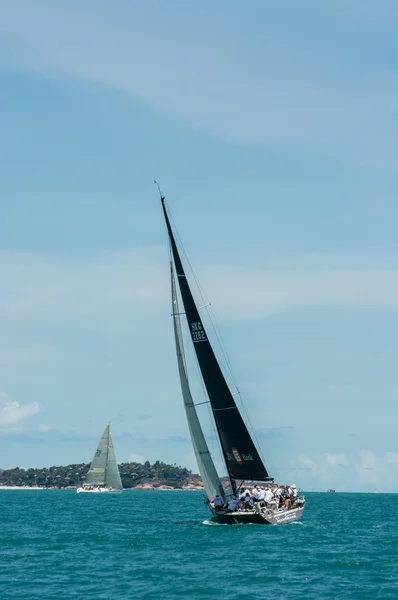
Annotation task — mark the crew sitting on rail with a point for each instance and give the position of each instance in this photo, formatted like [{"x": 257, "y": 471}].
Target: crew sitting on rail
[
  {"x": 286, "y": 494},
  {"x": 247, "y": 503},
  {"x": 233, "y": 504},
  {"x": 261, "y": 494},
  {"x": 254, "y": 493},
  {"x": 277, "y": 491},
  {"x": 257, "y": 493},
  {"x": 268, "y": 495},
  {"x": 218, "y": 502}
]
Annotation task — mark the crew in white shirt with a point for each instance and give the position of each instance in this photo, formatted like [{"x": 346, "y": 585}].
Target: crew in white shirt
[
  {"x": 260, "y": 494},
  {"x": 268, "y": 495},
  {"x": 255, "y": 491},
  {"x": 277, "y": 493}
]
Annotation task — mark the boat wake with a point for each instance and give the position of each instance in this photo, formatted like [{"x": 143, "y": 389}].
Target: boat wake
[{"x": 218, "y": 524}]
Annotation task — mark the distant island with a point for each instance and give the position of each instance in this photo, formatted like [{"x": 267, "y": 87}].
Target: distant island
[{"x": 134, "y": 475}]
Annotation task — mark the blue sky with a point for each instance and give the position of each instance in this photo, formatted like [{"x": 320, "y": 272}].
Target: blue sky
[{"x": 273, "y": 130}]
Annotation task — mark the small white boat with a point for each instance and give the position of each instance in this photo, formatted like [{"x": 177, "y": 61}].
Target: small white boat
[
  {"x": 103, "y": 476},
  {"x": 87, "y": 489}
]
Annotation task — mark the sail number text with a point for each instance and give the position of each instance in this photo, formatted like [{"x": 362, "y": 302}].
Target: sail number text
[{"x": 198, "y": 334}]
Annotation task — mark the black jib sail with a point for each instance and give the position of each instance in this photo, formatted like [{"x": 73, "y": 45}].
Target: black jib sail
[{"x": 240, "y": 454}]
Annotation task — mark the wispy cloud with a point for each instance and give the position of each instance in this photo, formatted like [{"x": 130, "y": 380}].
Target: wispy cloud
[
  {"x": 377, "y": 470},
  {"x": 138, "y": 458},
  {"x": 116, "y": 291},
  {"x": 263, "y": 291},
  {"x": 13, "y": 415},
  {"x": 53, "y": 288},
  {"x": 336, "y": 460},
  {"x": 44, "y": 428},
  {"x": 238, "y": 85},
  {"x": 364, "y": 470}
]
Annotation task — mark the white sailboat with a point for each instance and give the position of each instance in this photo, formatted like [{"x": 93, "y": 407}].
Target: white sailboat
[
  {"x": 103, "y": 475},
  {"x": 242, "y": 460}
]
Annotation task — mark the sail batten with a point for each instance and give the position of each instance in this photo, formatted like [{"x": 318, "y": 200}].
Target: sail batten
[{"x": 240, "y": 454}]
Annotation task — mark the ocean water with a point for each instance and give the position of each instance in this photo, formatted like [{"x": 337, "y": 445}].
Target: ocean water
[{"x": 150, "y": 545}]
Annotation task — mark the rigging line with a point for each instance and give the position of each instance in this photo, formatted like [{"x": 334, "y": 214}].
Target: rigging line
[
  {"x": 202, "y": 294},
  {"x": 242, "y": 404},
  {"x": 215, "y": 438},
  {"x": 216, "y": 442},
  {"x": 205, "y": 299},
  {"x": 221, "y": 344},
  {"x": 213, "y": 321},
  {"x": 216, "y": 445},
  {"x": 211, "y": 315},
  {"x": 253, "y": 431}
]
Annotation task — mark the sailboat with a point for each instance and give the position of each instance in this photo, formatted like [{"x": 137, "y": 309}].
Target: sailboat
[
  {"x": 242, "y": 460},
  {"x": 103, "y": 475}
]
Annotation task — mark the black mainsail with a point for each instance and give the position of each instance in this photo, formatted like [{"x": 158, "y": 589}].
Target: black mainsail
[{"x": 241, "y": 456}]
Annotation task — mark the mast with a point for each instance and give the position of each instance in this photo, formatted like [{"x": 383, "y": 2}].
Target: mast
[{"x": 240, "y": 454}]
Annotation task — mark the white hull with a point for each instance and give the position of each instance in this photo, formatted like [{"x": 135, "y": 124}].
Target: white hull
[{"x": 83, "y": 490}]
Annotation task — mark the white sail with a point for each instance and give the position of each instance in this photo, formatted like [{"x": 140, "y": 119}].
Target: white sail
[
  {"x": 112, "y": 478},
  {"x": 207, "y": 470},
  {"x": 103, "y": 469}
]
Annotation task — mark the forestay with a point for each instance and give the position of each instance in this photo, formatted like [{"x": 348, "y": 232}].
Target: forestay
[{"x": 241, "y": 456}]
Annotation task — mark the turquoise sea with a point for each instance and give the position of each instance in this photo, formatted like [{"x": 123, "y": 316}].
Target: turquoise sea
[{"x": 150, "y": 545}]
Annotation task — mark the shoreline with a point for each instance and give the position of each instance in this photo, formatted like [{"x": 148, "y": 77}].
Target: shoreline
[
  {"x": 21, "y": 487},
  {"x": 141, "y": 489}
]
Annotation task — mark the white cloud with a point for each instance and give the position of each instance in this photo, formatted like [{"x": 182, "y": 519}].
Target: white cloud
[
  {"x": 268, "y": 291},
  {"x": 367, "y": 460},
  {"x": 137, "y": 458},
  {"x": 363, "y": 471},
  {"x": 13, "y": 415},
  {"x": 50, "y": 286},
  {"x": 117, "y": 291},
  {"x": 379, "y": 471},
  {"x": 304, "y": 463},
  {"x": 336, "y": 460},
  {"x": 44, "y": 428},
  {"x": 296, "y": 95},
  {"x": 392, "y": 458}
]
